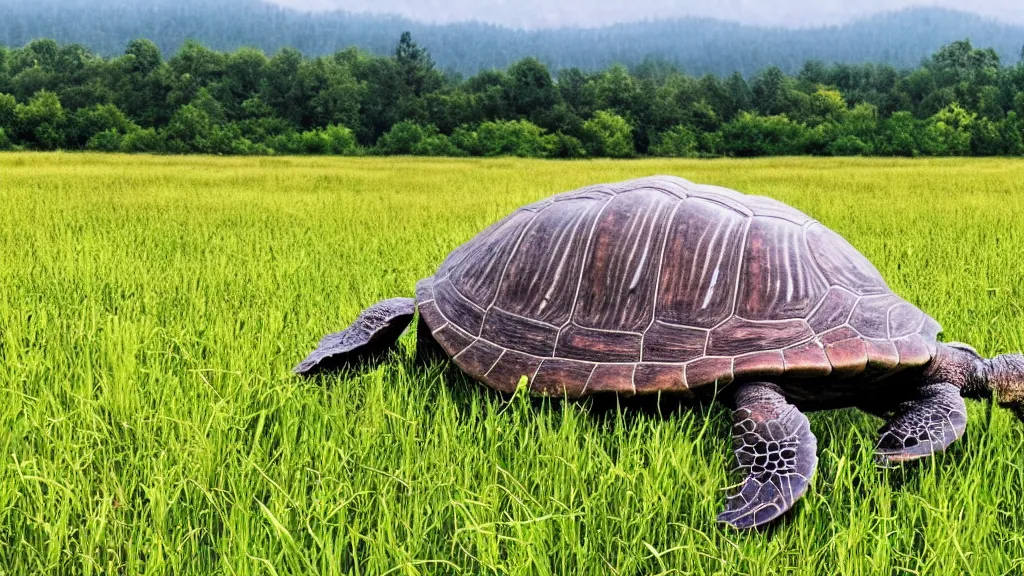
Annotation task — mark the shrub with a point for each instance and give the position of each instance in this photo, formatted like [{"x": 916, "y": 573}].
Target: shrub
[
  {"x": 437, "y": 145},
  {"x": 145, "y": 140},
  {"x": 948, "y": 132},
  {"x": 8, "y": 108},
  {"x": 466, "y": 139},
  {"x": 511, "y": 138},
  {"x": 561, "y": 145},
  {"x": 754, "y": 135},
  {"x": 677, "y": 142},
  {"x": 986, "y": 138},
  {"x": 189, "y": 130},
  {"x": 849, "y": 145},
  {"x": 334, "y": 139},
  {"x": 5, "y": 142},
  {"x": 105, "y": 141},
  {"x": 403, "y": 138},
  {"x": 608, "y": 134}
]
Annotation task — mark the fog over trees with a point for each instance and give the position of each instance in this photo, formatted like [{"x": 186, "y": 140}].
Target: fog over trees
[{"x": 695, "y": 45}]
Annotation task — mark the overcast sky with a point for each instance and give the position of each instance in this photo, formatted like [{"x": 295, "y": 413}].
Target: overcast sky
[{"x": 552, "y": 13}]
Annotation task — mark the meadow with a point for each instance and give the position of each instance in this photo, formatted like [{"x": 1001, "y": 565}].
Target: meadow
[{"x": 151, "y": 309}]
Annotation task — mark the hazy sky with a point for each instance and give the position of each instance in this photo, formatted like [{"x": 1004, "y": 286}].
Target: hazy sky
[{"x": 550, "y": 13}]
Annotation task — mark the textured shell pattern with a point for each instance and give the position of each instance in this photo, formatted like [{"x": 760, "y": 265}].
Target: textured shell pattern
[{"x": 662, "y": 285}]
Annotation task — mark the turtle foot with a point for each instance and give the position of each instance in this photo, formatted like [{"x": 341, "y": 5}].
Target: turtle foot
[
  {"x": 773, "y": 444},
  {"x": 927, "y": 424}
]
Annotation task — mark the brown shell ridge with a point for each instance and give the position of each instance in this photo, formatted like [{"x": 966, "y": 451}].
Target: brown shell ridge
[
  {"x": 739, "y": 269},
  {"x": 586, "y": 253},
  {"x": 817, "y": 269},
  {"x": 657, "y": 280}
]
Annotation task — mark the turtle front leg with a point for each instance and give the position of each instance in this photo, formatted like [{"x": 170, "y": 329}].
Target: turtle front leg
[
  {"x": 773, "y": 444},
  {"x": 927, "y": 423}
]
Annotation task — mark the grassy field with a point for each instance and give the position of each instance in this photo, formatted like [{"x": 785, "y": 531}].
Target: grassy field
[{"x": 151, "y": 310}]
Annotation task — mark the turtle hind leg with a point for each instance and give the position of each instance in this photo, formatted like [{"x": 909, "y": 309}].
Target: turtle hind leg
[
  {"x": 374, "y": 332},
  {"x": 927, "y": 423},
  {"x": 773, "y": 444}
]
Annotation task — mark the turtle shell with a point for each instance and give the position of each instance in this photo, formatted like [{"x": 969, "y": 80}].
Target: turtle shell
[{"x": 660, "y": 284}]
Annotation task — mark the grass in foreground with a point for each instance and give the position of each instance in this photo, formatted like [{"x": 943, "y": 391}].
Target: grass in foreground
[{"x": 151, "y": 308}]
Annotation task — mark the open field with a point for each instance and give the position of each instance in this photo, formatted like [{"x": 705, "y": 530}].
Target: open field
[{"x": 151, "y": 309}]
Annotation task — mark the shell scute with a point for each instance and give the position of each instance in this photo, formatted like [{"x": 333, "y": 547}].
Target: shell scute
[
  {"x": 665, "y": 343},
  {"x": 621, "y": 266},
  {"x": 598, "y": 345},
  {"x": 702, "y": 257},
  {"x": 778, "y": 279},
  {"x": 543, "y": 273}
]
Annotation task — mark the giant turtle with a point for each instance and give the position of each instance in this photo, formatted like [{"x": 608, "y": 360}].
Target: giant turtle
[{"x": 660, "y": 285}]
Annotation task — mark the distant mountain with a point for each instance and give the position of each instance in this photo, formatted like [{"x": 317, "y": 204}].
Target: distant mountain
[{"x": 698, "y": 46}]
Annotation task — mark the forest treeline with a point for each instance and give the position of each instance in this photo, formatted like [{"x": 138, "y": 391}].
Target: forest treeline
[{"x": 960, "y": 101}]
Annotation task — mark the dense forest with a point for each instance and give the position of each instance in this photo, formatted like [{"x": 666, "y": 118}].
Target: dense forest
[
  {"x": 960, "y": 101},
  {"x": 696, "y": 45}
]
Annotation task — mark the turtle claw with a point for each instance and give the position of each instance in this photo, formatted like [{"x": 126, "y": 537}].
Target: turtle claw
[{"x": 756, "y": 503}]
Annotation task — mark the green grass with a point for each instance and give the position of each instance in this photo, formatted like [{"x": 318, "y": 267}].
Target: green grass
[{"x": 151, "y": 310}]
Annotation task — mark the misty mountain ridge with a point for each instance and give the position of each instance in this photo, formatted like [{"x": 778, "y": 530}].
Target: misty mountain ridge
[{"x": 697, "y": 45}]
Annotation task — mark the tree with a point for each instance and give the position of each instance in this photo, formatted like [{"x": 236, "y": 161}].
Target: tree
[
  {"x": 328, "y": 94},
  {"x": 676, "y": 142},
  {"x": 85, "y": 123},
  {"x": 770, "y": 92},
  {"x": 899, "y": 135},
  {"x": 8, "y": 106},
  {"x": 530, "y": 91},
  {"x": 416, "y": 66},
  {"x": 42, "y": 121},
  {"x": 948, "y": 132},
  {"x": 403, "y": 138},
  {"x": 609, "y": 134}
]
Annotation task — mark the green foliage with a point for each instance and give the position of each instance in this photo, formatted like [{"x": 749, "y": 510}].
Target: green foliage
[
  {"x": 106, "y": 141},
  {"x": 755, "y": 135},
  {"x": 88, "y": 122},
  {"x": 948, "y": 132},
  {"x": 678, "y": 142},
  {"x": 190, "y": 130},
  {"x": 561, "y": 145},
  {"x": 5, "y": 142},
  {"x": 145, "y": 140},
  {"x": 898, "y": 135},
  {"x": 608, "y": 134},
  {"x": 403, "y": 138},
  {"x": 849, "y": 145},
  {"x": 8, "y": 109},
  {"x": 333, "y": 140},
  {"x": 510, "y": 138},
  {"x": 199, "y": 100},
  {"x": 42, "y": 120}
]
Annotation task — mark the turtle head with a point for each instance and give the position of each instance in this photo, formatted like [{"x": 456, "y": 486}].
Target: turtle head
[{"x": 1006, "y": 378}]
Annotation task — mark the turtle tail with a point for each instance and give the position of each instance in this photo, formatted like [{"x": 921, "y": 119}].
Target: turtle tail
[{"x": 373, "y": 333}]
